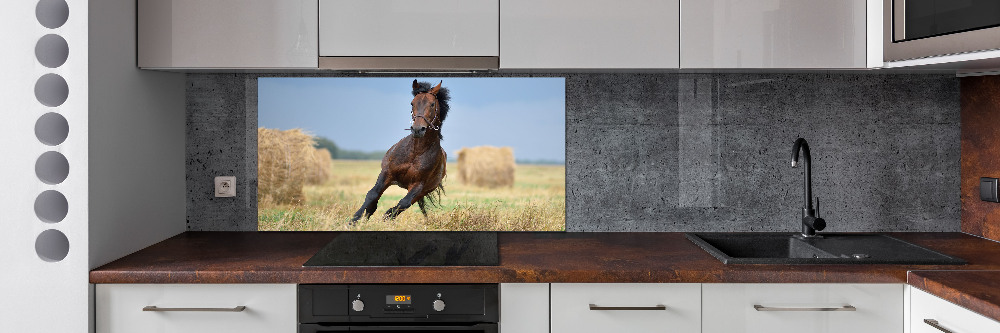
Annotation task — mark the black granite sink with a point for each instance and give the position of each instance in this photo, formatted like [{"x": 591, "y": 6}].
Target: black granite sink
[{"x": 786, "y": 248}]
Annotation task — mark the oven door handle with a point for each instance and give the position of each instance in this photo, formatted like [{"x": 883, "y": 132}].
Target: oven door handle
[{"x": 484, "y": 328}]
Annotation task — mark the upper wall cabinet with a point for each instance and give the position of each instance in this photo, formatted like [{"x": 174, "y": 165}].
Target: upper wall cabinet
[
  {"x": 409, "y": 35},
  {"x": 221, "y": 34},
  {"x": 401, "y": 28},
  {"x": 778, "y": 33},
  {"x": 580, "y": 34}
]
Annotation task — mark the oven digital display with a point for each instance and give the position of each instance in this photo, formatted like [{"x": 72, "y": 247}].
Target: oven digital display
[{"x": 397, "y": 299}]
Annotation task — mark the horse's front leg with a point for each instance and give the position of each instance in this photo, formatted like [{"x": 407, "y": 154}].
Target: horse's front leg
[
  {"x": 371, "y": 199},
  {"x": 406, "y": 202}
]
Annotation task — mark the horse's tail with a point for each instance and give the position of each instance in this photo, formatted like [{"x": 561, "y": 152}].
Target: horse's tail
[{"x": 434, "y": 197}]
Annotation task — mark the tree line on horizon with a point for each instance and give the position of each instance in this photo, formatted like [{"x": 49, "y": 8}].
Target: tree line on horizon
[{"x": 345, "y": 154}]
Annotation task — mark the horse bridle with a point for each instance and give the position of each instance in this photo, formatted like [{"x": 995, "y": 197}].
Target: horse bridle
[{"x": 430, "y": 123}]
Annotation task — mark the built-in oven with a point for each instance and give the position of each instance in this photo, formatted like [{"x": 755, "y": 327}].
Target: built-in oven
[
  {"x": 926, "y": 28},
  {"x": 466, "y": 308}
]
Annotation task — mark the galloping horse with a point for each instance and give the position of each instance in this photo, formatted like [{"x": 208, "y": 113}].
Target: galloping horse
[{"x": 416, "y": 162}]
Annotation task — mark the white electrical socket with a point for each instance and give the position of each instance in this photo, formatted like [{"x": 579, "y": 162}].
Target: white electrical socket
[{"x": 225, "y": 186}]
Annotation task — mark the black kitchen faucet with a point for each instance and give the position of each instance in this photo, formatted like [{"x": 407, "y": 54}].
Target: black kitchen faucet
[{"x": 810, "y": 222}]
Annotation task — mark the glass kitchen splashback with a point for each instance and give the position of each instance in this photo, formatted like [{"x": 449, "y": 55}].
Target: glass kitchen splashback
[{"x": 411, "y": 154}]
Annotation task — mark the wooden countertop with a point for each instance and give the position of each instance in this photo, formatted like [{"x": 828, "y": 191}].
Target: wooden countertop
[
  {"x": 978, "y": 291},
  {"x": 277, "y": 257}
]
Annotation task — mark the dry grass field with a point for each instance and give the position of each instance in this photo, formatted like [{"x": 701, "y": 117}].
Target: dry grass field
[{"x": 536, "y": 202}]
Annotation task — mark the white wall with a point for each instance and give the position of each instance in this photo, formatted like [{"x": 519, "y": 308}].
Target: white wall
[
  {"x": 125, "y": 126},
  {"x": 37, "y": 295}
]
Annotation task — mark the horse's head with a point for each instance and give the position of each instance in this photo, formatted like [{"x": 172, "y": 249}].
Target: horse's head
[{"x": 426, "y": 110}]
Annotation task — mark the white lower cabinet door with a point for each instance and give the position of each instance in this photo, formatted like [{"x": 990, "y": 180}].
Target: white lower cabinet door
[
  {"x": 524, "y": 308},
  {"x": 802, "y": 308},
  {"x": 626, "y": 307},
  {"x": 196, "y": 308},
  {"x": 930, "y": 314}
]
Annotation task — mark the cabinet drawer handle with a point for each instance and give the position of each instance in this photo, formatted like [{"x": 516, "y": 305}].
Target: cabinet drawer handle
[
  {"x": 935, "y": 324},
  {"x": 759, "y": 307},
  {"x": 630, "y": 308},
  {"x": 233, "y": 309}
]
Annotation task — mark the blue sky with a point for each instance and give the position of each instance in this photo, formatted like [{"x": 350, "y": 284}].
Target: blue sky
[{"x": 369, "y": 114}]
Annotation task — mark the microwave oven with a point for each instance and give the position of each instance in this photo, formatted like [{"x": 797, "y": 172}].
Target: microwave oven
[{"x": 915, "y": 29}]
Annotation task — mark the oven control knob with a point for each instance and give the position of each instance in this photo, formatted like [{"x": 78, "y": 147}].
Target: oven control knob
[
  {"x": 438, "y": 305},
  {"x": 358, "y": 305}
]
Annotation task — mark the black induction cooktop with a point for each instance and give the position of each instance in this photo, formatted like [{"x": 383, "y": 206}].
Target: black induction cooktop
[{"x": 409, "y": 248}]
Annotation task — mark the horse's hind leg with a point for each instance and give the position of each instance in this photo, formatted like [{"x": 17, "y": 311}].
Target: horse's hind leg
[
  {"x": 405, "y": 203},
  {"x": 420, "y": 202},
  {"x": 371, "y": 199}
]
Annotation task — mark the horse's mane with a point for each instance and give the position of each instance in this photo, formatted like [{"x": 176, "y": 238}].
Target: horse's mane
[
  {"x": 442, "y": 97},
  {"x": 434, "y": 198}
]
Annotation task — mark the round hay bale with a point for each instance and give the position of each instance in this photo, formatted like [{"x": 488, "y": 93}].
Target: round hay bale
[
  {"x": 320, "y": 166},
  {"x": 486, "y": 166},
  {"x": 283, "y": 159}
]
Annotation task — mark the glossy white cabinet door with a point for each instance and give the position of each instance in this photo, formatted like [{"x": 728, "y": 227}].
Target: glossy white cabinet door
[
  {"x": 948, "y": 315},
  {"x": 729, "y": 308},
  {"x": 773, "y": 34},
  {"x": 269, "y": 308},
  {"x": 524, "y": 308},
  {"x": 364, "y": 28},
  {"x": 589, "y": 34},
  {"x": 572, "y": 312},
  {"x": 227, "y": 34}
]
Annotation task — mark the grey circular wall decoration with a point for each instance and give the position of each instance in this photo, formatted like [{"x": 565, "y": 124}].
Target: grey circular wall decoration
[
  {"x": 51, "y": 90},
  {"x": 52, "y": 13},
  {"x": 51, "y": 206},
  {"x": 52, "y": 167},
  {"x": 52, "y": 245},
  {"x": 51, "y": 129},
  {"x": 51, "y": 51}
]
